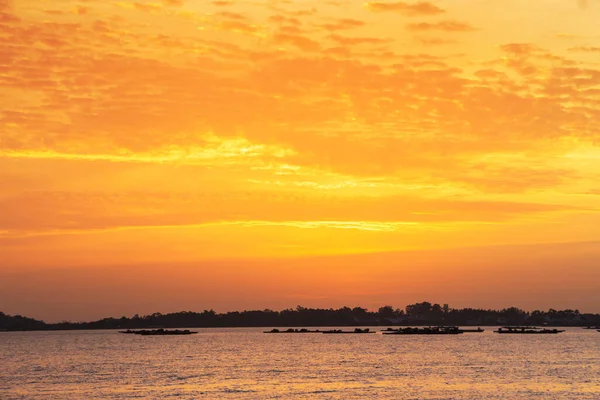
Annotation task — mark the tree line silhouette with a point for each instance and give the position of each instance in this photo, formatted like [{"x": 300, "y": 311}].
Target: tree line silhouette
[{"x": 424, "y": 313}]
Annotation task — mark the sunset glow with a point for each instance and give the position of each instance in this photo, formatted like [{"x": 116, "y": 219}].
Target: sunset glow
[{"x": 187, "y": 154}]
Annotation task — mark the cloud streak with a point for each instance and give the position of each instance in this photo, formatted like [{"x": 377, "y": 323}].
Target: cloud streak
[
  {"x": 421, "y": 8},
  {"x": 444, "y": 26}
]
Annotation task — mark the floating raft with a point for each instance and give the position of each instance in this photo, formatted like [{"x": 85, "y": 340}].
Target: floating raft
[
  {"x": 158, "y": 332},
  {"x": 354, "y": 332},
  {"x": 425, "y": 331},
  {"x": 527, "y": 330},
  {"x": 292, "y": 331},
  {"x": 478, "y": 330}
]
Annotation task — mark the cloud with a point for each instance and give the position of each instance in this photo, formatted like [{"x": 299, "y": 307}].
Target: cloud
[
  {"x": 6, "y": 14},
  {"x": 584, "y": 4},
  {"x": 422, "y": 8},
  {"x": 301, "y": 42},
  {"x": 232, "y": 15},
  {"x": 445, "y": 26},
  {"x": 363, "y": 107},
  {"x": 432, "y": 41},
  {"x": 352, "y": 41},
  {"x": 520, "y": 48},
  {"x": 147, "y": 7},
  {"x": 343, "y": 24},
  {"x": 65, "y": 211},
  {"x": 585, "y": 49},
  {"x": 237, "y": 26},
  {"x": 5, "y": 5},
  {"x": 282, "y": 19},
  {"x": 210, "y": 150}
]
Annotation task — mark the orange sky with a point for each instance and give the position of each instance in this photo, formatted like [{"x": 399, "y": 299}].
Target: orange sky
[{"x": 183, "y": 154}]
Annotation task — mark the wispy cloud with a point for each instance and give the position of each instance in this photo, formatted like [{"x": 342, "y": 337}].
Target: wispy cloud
[
  {"x": 421, "y": 8},
  {"x": 343, "y": 24},
  {"x": 445, "y": 26},
  {"x": 585, "y": 49}
]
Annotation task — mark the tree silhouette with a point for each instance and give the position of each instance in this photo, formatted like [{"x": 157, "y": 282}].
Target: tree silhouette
[{"x": 423, "y": 313}]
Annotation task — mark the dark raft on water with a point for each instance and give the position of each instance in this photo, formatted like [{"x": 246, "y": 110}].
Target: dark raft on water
[
  {"x": 291, "y": 330},
  {"x": 435, "y": 330},
  {"x": 527, "y": 330},
  {"x": 158, "y": 332},
  {"x": 356, "y": 331}
]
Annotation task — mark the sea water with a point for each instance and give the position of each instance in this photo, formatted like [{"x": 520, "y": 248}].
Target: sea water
[{"x": 245, "y": 363}]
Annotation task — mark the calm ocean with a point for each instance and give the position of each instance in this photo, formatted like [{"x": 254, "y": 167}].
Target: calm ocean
[{"x": 245, "y": 363}]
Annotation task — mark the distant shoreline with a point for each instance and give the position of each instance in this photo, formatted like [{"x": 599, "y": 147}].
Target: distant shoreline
[
  {"x": 419, "y": 314},
  {"x": 273, "y": 326}
]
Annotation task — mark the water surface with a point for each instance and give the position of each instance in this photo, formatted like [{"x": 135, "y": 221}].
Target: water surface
[{"x": 245, "y": 363}]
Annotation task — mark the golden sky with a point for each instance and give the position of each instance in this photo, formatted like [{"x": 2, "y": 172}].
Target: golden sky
[{"x": 247, "y": 154}]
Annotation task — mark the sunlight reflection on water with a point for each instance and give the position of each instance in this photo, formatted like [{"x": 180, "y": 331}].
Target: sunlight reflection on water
[{"x": 245, "y": 363}]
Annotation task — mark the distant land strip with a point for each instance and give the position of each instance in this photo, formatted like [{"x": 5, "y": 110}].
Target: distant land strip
[{"x": 419, "y": 314}]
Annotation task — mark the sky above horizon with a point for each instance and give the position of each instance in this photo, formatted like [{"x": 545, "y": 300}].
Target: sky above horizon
[{"x": 249, "y": 154}]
